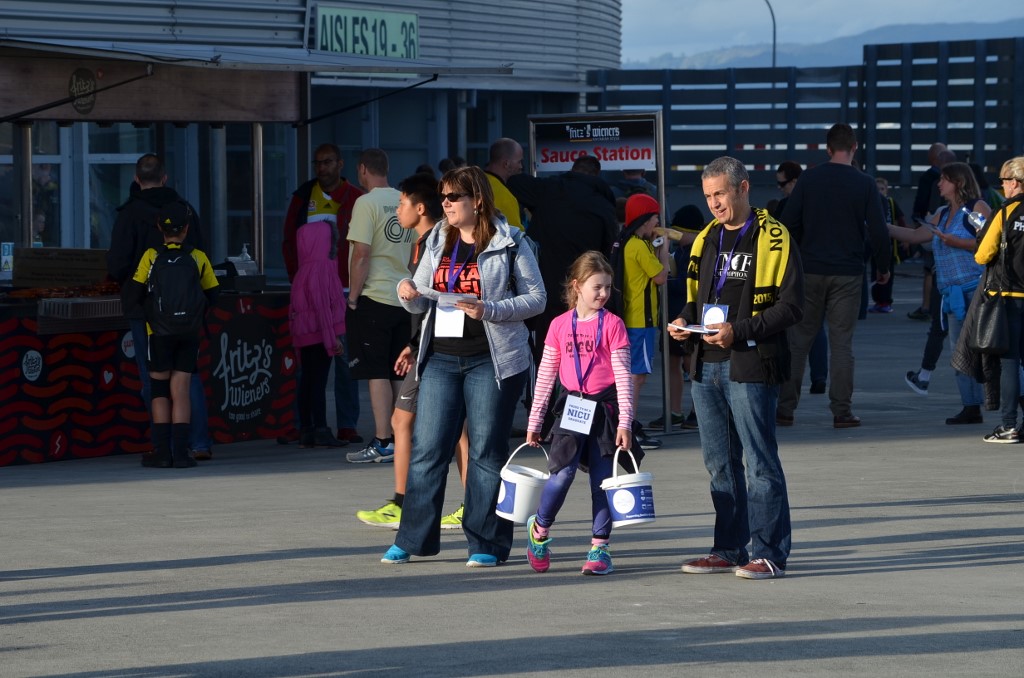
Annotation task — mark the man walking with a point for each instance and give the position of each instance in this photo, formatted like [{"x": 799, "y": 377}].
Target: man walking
[{"x": 833, "y": 209}]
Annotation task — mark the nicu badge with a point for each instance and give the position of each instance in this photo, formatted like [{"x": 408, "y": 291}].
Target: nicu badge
[{"x": 714, "y": 314}]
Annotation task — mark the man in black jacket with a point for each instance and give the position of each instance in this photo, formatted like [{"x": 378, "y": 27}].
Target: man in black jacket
[
  {"x": 833, "y": 210},
  {"x": 134, "y": 232},
  {"x": 744, "y": 283},
  {"x": 570, "y": 214}
]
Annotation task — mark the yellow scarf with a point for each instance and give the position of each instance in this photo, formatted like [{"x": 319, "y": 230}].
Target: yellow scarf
[{"x": 773, "y": 244}]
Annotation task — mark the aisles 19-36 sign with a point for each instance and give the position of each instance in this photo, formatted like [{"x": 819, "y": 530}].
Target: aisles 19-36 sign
[{"x": 349, "y": 30}]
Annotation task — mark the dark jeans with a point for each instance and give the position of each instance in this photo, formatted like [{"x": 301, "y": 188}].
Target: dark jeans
[
  {"x": 936, "y": 332},
  {"x": 312, "y": 397},
  {"x": 1009, "y": 364},
  {"x": 557, "y": 487},
  {"x": 737, "y": 428},
  {"x": 817, "y": 358},
  {"x": 199, "y": 426},
  {"x": 454, "y": 389},
  {"x": 346, "y": 391}
]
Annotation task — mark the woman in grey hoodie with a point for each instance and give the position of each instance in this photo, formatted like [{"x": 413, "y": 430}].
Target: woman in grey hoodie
[{"x": 476, "y": 284}]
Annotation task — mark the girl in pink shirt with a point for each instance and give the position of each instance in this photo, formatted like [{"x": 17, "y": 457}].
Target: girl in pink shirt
[{"x": 587, "y": 349}]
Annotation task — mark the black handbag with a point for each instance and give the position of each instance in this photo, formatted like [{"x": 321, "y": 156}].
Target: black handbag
[{"x": 991, "y": 332}]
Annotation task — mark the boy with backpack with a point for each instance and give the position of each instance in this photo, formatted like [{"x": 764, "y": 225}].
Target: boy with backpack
[{"x": 175, "y": 284}]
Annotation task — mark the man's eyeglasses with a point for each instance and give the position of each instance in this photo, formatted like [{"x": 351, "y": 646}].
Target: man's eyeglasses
[
  {"x": 453, "y": 197},
  {"x": 783, "y": 183},
  {"x": 328, "y": 162}
]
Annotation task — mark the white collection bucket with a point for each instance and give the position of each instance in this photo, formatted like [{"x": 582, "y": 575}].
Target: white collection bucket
[
  {"x": 520, "y": 491},
  {"x": 630, "y": 495}
]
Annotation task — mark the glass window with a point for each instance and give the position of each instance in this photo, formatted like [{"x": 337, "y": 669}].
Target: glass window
[
  {"x": 113, "y": 150},
  {"x": 109, "y": 186},
  {"x": 120, "y": 138},
  {"x": 46, "y": 205}
]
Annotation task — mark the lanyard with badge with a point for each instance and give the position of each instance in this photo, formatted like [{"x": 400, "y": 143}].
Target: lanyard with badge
[
  {"x": 450, "y": 321},
  {"x": 716, "y": 312},
  {"x": 578, "y": 414}
]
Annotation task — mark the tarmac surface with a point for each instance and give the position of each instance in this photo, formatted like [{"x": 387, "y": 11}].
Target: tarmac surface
[{"x": 908, "y": 541}]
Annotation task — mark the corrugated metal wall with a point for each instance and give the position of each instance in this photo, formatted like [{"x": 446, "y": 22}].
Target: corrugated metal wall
[
  {"x": 557, "y": 41},
  {"x": 272, "y": 23}
]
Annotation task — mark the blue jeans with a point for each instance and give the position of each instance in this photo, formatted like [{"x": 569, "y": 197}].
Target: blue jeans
[
  {"x": 346, "y": 391},
  {"x": 199, "y": 427},
  {"x": 971, "y": 392},
  {"x": 454, "y": 389},
  {"x": 557, "y": 487},
  {"x": 737, "y": 427}
]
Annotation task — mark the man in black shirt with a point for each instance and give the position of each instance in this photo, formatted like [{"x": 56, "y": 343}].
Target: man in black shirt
[{"x": 833, "y": 210}]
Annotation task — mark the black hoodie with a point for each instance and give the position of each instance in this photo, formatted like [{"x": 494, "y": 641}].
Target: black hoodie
[{"x": 135, "y": 231}]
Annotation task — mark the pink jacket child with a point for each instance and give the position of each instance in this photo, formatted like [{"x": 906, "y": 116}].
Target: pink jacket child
[
  {"x": 317, "y": 312},
  {"x": 316, "y": 321}
]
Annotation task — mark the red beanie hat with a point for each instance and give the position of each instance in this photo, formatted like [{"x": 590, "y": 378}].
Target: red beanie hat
[{"x": 640, "y": 207}]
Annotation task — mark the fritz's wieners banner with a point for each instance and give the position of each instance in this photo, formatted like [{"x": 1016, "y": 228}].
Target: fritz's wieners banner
[{"x": 620, "y": 141}]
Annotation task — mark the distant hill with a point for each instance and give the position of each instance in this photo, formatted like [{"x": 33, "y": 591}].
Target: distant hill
[{"x": 847, "y": 51}]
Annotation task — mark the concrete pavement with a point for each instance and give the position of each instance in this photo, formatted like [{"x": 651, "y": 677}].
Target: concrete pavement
[{"x": 907, "y": 549}]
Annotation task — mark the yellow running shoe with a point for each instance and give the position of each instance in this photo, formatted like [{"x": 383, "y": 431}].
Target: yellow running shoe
[
  {"x": 453, "y": 521},
  {"x": 388, "y": 515}
]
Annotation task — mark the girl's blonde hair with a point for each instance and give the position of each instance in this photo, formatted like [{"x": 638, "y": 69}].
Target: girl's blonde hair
[{"x": 586, "y": 265}]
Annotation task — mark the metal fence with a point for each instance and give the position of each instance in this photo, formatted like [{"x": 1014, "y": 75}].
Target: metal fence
[{"x": 967, "y": 94}]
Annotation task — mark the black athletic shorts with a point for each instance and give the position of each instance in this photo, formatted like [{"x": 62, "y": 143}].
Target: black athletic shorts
[
  {"x": 377, "y": 334},
  {"x": 173, "y": 353}
]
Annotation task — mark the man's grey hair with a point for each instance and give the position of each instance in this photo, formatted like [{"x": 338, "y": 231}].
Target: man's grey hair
[{"x": 730, "y": 167}]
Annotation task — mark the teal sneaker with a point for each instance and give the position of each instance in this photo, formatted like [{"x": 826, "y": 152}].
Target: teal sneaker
[
  {"x": 599, "y": 561},
  {"x": 482, "y": 560},
  {"x": 395, "y": 556},
  {"x": 537, "y": 550}
]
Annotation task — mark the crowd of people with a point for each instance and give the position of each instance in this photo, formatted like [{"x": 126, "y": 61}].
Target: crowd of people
[{"x": 443, "y": 294}]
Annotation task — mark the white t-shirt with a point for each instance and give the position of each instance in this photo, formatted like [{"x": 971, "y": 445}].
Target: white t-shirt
[{"x": 374, "y": 223}]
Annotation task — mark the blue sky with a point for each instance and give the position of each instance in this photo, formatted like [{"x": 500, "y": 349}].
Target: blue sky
[{"x": 654, "y": 27}]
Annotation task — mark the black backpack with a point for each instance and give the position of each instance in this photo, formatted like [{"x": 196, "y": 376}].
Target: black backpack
[
  {"x": 616, "y": 303},
  {"x": 175, "y": 303}
]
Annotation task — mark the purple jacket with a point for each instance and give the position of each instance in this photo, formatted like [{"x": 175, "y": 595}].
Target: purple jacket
[{"x": 317, "y": 313}]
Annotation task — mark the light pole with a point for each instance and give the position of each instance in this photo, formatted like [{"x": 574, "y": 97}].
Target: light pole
[{"x": 772, "y": 12}]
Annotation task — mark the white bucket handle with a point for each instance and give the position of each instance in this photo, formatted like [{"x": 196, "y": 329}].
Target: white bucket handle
[
  {"x": 615, "y": 461},
  {"x": 516, "y": 451}
]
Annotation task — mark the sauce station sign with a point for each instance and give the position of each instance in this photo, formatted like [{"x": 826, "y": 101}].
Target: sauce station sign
[{"x": 619, "y": 141}]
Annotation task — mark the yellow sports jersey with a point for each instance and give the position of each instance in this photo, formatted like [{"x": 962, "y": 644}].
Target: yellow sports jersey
[
  {"x": 640, "y": 264},
  {"x": 321, "y": 207},
  {"x": 207, "y": 279},
  {"x": 505, "y": 201}
]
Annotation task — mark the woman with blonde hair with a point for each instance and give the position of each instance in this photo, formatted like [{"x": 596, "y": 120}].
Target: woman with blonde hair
[{"x": 1006, "y": 277}]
